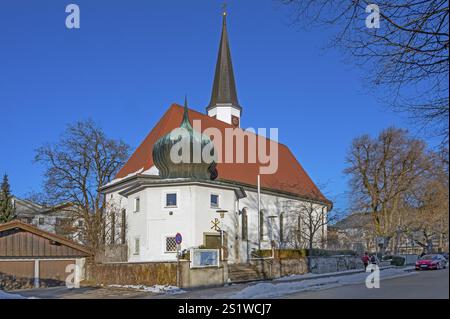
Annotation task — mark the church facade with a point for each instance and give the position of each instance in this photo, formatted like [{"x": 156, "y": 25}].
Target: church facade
[{"x": 212, "y": 204}]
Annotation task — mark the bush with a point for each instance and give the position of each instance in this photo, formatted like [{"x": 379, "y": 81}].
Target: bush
[
  {"x": 301, "y": 253},
  {"x": 292, "y": 253},
  {"x": 330, "y": 253},
  {"x": 282, "y": 253},
  {"x": 398, "y": 261}
]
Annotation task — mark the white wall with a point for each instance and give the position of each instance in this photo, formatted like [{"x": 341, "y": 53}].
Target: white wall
[
  {"x": 224, "y": 113},
  {"x": 193, "y": 217}
]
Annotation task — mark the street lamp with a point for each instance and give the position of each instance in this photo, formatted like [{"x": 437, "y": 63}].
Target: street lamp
[{"x": 222, "y": 213}]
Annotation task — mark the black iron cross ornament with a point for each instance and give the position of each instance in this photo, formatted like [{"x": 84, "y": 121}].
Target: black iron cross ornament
[
  {"x": 224, "y": 8},
  {"x": 215, "y": 224}
]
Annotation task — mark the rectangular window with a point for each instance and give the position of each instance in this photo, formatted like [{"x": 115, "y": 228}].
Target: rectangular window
[
  {"x": 171, "y": 245},
  {"x": 137, "y": 204},
  {"x": 41, "y": 220},
  {"x": 137, "y": 248},
  {"x": 214, "y": 201},
  {"x": 171, "y": 200}
]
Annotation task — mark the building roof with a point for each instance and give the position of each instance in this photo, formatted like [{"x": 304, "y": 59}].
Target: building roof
[
  {"x": 28, "y": 208},
  {"x": 224, "y": 87},
  {"x": 17, "y": 224},
  {"x": 290, "y": 178},
  {"x": 355, "y": 220}
]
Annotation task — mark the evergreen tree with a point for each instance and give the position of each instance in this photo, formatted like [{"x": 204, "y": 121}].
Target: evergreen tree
[{"x": 7, "y": 209}]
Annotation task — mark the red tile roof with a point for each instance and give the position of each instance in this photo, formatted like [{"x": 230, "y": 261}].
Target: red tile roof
[{"x": 290, "y": 177}]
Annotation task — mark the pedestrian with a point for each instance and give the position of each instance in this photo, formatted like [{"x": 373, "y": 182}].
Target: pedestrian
[
  {"x": 374, "y": 260},
  {"x": 365, "y": 259}
]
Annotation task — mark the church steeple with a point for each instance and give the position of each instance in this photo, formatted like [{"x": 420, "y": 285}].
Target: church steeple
[{"x": 224, "y": 104}]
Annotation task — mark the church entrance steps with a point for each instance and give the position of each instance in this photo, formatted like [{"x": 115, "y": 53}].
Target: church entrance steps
[{"x": 240, "y": 273}]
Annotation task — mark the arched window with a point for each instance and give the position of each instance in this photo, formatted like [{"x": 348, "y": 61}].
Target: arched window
[
  {"x": 299, "y": 229},
  {"x": 123, "y": 227},
  {"x": 261, "y": 225},
  {"x": 244, "y": 224},
  {"x": 113, "y": 227},
  {"x": 281, "y": 227}
]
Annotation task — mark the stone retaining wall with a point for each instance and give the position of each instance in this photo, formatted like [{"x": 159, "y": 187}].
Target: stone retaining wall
[
  {"x": 148, "y": 274},
  {"x": 323, "y": 265},
  {"x": 165, "y": 273}
]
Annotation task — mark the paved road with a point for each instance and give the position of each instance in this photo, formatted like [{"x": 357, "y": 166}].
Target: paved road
[
  {"x": 423, "y": 285},
  {"x": 83, "y": 293}
]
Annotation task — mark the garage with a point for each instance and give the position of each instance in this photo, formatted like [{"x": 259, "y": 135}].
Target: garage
[{"x": 31, "y": 258}]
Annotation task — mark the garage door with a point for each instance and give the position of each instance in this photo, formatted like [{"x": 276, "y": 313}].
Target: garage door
[
  {"x": 16, "y": 274},
  {"x": 53, "y": 272}
]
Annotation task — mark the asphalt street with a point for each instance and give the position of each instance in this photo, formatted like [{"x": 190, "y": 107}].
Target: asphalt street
[{"x": 422, "y": 285}]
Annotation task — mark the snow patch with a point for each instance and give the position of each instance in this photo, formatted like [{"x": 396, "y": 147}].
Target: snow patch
[
  {"x": 159, "y": 289},
  {"x": 311, "y": 275},
  {"x": 5, "y": 295},
  {"x": 271, "y": 290}
]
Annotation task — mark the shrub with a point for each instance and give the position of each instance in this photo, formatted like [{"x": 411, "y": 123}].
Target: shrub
[
  {"x": 329, "y": 253},
  {"x": 293, "y": 253},
  {"x": 282, "y": 253},
  {"x": 301, "y": 253}
]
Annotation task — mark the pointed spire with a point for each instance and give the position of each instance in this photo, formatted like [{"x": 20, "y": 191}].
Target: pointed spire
[
  {"x": 185, "y": 122},
  {"x": 224, "y": 88}
]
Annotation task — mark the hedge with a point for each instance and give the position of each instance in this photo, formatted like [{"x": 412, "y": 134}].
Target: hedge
[{"x": 301, "y": 253}]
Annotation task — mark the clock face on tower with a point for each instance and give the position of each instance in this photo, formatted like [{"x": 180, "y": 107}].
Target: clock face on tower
[{"x": 235, "y": 121}]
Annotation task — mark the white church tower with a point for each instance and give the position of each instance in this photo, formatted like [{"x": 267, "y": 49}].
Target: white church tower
[{"x": 224, "y": 104}]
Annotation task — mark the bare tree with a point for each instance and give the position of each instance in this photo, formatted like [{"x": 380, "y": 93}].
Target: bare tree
[
  {"x": 308, "y": 222},
  {"x": 428, "y": 208},
  {"x": 383, "y": 171},
  {"x": 407, "y": 56},
  {"x": 76, "y": 167}
]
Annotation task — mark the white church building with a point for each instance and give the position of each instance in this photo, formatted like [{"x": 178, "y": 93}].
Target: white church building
[{"x": 223, "y": 204}]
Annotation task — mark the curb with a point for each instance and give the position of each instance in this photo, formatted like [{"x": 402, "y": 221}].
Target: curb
[{"x": 358, "y": 271}]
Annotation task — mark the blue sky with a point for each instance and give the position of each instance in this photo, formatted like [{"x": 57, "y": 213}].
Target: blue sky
[{"x": 132, "y": 58}]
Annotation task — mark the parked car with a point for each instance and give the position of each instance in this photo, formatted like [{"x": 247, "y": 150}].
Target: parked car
[
  {"x": 445, "y": 255},
  {"x": 430, "y": 262}
]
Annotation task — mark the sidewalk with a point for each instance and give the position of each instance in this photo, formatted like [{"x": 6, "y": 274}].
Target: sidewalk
[
  {"x": 286, "y": 285},
  {"x": 309, "y": 276},
  {"x": 277, "y": 288}
]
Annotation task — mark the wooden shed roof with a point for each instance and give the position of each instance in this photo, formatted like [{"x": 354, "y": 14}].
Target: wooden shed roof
[{"x": 17, "y": 224}]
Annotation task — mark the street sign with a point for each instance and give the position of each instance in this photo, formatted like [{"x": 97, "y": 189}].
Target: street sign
[{"x": 178, "y": 239}]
